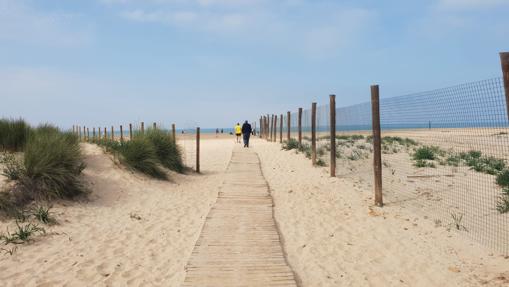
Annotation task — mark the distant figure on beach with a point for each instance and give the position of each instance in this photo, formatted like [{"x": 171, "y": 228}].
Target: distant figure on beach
[
  {"x": 217, "y": 132},
  {"x": 246, "y": 132},
  {"x": 238, "y": 132},
  {"x": 221, "y": 130}
]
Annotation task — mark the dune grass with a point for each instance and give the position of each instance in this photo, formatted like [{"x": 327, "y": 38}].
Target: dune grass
[
  {"x": 13, "y": 134},
  {"x": 166, "y": 149},
  {"x": 139, "y": 154},
  {"x": 52, "y": 164}
]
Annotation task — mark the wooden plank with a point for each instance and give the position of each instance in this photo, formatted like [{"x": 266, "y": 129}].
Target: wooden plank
[{"x": 239, "y": 244}]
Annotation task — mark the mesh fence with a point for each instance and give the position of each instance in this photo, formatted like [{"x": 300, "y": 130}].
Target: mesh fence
[{"x": 445, "y": 154}]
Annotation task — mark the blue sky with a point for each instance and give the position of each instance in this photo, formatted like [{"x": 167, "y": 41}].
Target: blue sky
[{"x": 215, "y": 62}]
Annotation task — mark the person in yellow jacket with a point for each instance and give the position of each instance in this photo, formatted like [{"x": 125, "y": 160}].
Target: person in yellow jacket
[{"x": 238, "y": 132}]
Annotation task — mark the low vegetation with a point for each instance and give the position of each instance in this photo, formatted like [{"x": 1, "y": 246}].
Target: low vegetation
[
  {"x": 13, "y": 134},
  {"x": 148, "y": 153},
  {"x": 49, "y": 167}
]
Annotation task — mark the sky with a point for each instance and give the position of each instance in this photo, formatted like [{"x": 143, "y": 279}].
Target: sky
[{"x": 212, "y": 63}]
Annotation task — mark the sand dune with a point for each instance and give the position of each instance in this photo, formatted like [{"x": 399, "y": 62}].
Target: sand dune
[{"x": 97, "y": 243}]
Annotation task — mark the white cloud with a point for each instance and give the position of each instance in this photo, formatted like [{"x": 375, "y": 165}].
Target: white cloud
[
  {"x": 21, "y": 23},
  {"x": 294, "y": 25}
]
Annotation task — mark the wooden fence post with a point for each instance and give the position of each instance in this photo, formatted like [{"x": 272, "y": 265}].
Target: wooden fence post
[
  {"x": 288, "y": 126},
  {"x": 112, "y": 133},
  {"x": 260, "y": 132},
  {"x": 84, "y": 134},
  {"x": 271, "y": 123},
  {"x": 198, "y": 150},
  {"x": 93, "y": 134},
  {"x": 121, "y": 134},
  {"x": 275, "y": 128},
  {"x": 377, "y": 144},
  {"x": 281, "y": 129},
  {"x": 300, "y": 125},
  {"x": 154, "y": 125},
  {"x": 130, "y": 132},
  {"x": 142, "y": 127},
  {"x": 105, "y": 133},
  {"x": 268, "y": 127},
  {"x": 79, "y": 133},
  {"x": 88, "y": 134},
  {"x": 504, "y": 60},
  {"x": 332, "y": 135},
  {"x": 174, "y": 133},
  {"x": 313, "y": 133},
  {"x": 99, "y": 134}
]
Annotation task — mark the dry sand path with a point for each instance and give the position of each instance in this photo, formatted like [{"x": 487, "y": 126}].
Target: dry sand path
[{"x": 240, "y": 244}]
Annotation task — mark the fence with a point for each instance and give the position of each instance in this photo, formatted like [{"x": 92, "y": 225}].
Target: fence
[
  {"x": 443, "y": 153},
  {"x": 188, "y": 138}
]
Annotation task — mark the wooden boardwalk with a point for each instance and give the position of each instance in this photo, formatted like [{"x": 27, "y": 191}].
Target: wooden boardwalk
[{"x": 239, "y": 244}]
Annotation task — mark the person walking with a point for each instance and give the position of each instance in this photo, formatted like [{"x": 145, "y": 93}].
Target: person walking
[
  {"x": 238, "y": 132},
  {"x": 246, "y": 132}
]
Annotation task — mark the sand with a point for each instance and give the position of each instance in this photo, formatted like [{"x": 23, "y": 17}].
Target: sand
[
  {"x": 334, "y": 236},
  {"x": 98, "y": 243},
  {"x": 331, "y": 233}
]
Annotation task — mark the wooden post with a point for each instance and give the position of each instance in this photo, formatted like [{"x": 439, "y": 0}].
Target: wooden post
[
  {"x": 332, "y": 135},
  {"x": 198, "y": 150},
  {"x": 504, "y": 60},
  {"x": 281, "y": 128},
  {"x": 112, "y": 133},
  {"x": 142, "y": 127},
  {"x": 84, "y": 134},
  {"x": 313, "y": 133},
  {"x": 130, "y": 132},
  {"x": 271, "y": 127},
  {"x": 93, "y": 134},
  {"x": 121, "y": 134},
  {"x": 79, "y": 133},
  {"x": 288, "y": 125},
  {"x": 377, "y": 144},
  {"x": 105, "y": 134},
  {"x": 99, "y": 134},
  {"x": 260, "y": 132},
  {"x": 275, "y": 129},
  {"x": 154, "y": 125},
  {"x": 88, "y": 134},
  {"x": 174, "y": 133},
  {"x": 268, "y": 126},
  {"x": 300, "y": 125}
]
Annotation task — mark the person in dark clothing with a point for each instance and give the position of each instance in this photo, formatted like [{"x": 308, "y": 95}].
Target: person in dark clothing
[{"x": 246, "y": 133}]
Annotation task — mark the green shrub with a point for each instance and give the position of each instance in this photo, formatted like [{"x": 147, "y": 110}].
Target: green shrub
[
  {"x": 167, "y": 151},
  {"x": 503, "y": 178},
  {"x": 53, "y": 164},
  {"x": 427, "y": 153},
  {"x": 12, "y": 167},
  {"x": 13, "y": 134},
  {"x": 485, "y": 164},
  {"x": 140, "y": 154},
  {"x": 291, "y": 144},
  {"x": 320, "y": 162}
]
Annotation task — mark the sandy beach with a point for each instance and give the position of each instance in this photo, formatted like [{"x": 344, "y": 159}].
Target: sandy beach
[{"x": 136, "y": 231}]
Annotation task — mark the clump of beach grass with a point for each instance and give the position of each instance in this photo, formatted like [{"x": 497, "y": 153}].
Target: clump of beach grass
[
  {"x": 13, "y": 134},
  {"x": 291, "y": 144},
  {"x": 12, "y": 166},
  {"x": 22, "y": 234},
  {"x": 166, "y": 149},
  {"x": 52, "y": 164}
]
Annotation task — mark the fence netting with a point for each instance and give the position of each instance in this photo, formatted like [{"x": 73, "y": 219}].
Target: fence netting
[{"x": 445, "y": 154}]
